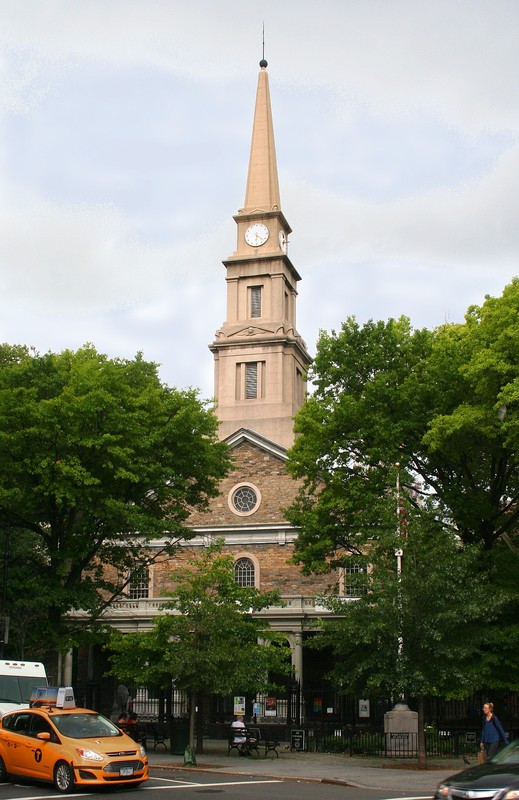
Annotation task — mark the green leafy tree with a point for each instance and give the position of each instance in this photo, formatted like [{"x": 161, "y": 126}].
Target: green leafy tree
[
  {"x": 210, "y": 642},
  {"x": 443, "y": 403},
  {"x": 24, "y": 594},
  {"x": 413, "y": 632},
  {"x": 98, "y": 457}
]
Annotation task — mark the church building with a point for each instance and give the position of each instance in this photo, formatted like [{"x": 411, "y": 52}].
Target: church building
[{"x": 260, "y": 362}]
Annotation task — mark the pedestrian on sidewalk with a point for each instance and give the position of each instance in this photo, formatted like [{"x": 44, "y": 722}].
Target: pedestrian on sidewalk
[{"x": 492, "y": 732}]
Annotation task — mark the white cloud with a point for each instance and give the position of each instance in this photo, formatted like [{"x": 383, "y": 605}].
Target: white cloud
[{"x": 124, "y": 134}]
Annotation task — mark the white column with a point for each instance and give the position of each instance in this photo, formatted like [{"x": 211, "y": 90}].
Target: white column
[
  {"x": 67, "y": 669},
  {"x": 297, "y": 658}
]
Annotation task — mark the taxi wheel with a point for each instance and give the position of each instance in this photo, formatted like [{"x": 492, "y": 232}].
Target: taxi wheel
[
  {"x": 4, "y": 777},
  {"x": 63, "y": 777}
]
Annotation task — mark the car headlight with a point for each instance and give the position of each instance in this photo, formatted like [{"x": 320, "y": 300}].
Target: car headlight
[
  {"x": 90, "y": 754},
  {"x": 143, "y": 751},
  {"x": 512, "y": 794},
  {"x": 442, "y": 790}
]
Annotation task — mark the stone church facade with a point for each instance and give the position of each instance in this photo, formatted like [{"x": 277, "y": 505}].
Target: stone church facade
[{"x": 260, "y": 364}]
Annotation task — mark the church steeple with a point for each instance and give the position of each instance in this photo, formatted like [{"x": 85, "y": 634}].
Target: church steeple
[
  {"x": 262, "y": 192},
  {"x": 260, "y": 359}
]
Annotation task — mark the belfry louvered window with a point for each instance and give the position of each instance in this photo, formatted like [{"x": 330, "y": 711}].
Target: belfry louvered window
[
  {"x": 251, "y": 380},
  {"x": 255, "y": 301},
  {"x": 244, "y": 572}
]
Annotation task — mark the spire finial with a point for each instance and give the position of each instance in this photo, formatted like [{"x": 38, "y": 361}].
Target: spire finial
[{"x": 263, "y": 64}]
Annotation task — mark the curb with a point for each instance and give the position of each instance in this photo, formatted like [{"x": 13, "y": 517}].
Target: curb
[{"x": 298, "y": 778}]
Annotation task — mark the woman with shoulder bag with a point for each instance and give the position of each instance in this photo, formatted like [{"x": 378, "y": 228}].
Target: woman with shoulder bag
[{"x": 492, "y": 732}]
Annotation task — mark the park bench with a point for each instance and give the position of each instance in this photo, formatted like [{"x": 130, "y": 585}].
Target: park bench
[
  {"x": 158, "y": 732},
  {"x": 265, "y": 740},
  {"x": 242, "y": 748}
]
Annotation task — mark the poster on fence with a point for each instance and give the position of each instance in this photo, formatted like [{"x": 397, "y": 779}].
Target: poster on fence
[
  {"x": 239, "y": 705},
  {"x": 364, "y": 708},
  {"x": 271, "y": 706}
]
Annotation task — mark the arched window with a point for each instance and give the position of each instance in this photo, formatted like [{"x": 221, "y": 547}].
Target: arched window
[{"x": 244, "y": 572}]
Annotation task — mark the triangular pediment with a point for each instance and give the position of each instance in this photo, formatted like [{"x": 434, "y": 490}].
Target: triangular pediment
[{"x": 245, "y": 435}]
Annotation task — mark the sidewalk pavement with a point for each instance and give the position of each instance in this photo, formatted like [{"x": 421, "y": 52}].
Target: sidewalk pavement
[{"x": 393, "y": 775}]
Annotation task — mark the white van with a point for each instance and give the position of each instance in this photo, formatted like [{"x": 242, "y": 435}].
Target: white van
[{"x": 17, "y": 681}]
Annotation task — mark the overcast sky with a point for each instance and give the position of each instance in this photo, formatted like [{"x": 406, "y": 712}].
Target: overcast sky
[{"x": 125, "y": 130}]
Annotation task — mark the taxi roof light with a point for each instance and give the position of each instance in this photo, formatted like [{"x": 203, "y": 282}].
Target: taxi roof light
[{"x": 57, "y": 696}]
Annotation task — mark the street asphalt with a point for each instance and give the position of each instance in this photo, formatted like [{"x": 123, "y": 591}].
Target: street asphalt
[{"x": 392, "y": 774}]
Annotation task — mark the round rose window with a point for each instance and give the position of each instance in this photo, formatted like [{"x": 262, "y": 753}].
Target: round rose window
[{"x": 244, "y": 499}]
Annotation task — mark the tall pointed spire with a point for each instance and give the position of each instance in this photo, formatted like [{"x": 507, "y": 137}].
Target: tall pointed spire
[
  {"x": 260, "y": 359},
  {"x": 262, "y": 193}
]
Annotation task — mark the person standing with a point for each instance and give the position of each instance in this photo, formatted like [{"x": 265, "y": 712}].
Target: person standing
[{"x": 492, "y": 731}]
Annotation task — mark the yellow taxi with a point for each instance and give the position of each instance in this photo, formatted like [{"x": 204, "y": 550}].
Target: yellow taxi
[{"x": 55, "y": 741}]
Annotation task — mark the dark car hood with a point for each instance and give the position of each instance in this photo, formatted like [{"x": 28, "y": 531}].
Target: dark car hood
[{"x": 487, "y": 775}]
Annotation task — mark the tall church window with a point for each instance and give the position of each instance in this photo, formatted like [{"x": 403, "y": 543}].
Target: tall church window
[
  {"x": 250, "y": 380},
  {"x": 139, "y": 584},
  {"x": 244, "y": 574},
  {"x": 255, "y": 301},
  {"x": 299, "y": 392},
  {"x": 353, "y": 580}
]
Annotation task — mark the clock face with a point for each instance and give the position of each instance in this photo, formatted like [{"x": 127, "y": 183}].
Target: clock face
[
  {"x": 283, "y": 241},
  {"x": 256, "y": 234}
]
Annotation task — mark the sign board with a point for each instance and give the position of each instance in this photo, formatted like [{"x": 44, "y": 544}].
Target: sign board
[
  {"x": 65, "y": 697},
  {"x": 364, "y": 709},
  {"x": 239, "y": 705},
  {"x": 297, "y": 740},
  {"x": 404, "y": 736},
  {"x": 271, "y": 706}
]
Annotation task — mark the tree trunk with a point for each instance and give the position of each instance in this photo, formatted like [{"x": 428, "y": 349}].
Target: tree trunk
[
  {"x": 189, "y": 753},
  {"x": 200, "y": 725},
  {"x": 192, "y": 719},
  {"x": 422, "y": 755}
]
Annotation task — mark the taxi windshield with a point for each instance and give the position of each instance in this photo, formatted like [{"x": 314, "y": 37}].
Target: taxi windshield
[{"x": 84, "y": 726}]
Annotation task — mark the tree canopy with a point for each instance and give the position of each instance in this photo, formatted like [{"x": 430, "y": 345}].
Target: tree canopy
[
  {"x": 209, "y": 642},
  {"x": 98, "y": 457},
  {"x": 415, "y": 631},
  {"x": 444, "y": 404}
]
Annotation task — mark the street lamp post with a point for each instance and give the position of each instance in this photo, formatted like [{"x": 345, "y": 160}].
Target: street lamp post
[
  {"x": 398, "y": 555},
  {"x": 400, "y": 724}
]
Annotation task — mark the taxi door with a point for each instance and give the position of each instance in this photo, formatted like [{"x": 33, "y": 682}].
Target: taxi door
[
  {"x": 14, "y": 742},
  {"x": 40, "y": 754}
]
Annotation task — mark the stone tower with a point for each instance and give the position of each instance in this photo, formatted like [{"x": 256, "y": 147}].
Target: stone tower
[{"x": 260, "y": 359}]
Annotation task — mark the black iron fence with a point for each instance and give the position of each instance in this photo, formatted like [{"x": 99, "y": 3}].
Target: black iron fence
[{"x": 375, "y": 742}]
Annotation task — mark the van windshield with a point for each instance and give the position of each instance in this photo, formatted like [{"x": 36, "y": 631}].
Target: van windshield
[{"x": 17, "y": 688}]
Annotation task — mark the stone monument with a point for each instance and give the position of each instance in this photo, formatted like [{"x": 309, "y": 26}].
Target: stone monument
[{"x": 401, "y": 731}]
